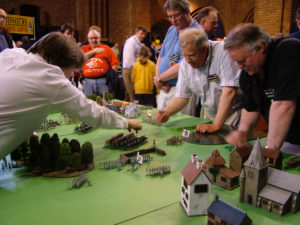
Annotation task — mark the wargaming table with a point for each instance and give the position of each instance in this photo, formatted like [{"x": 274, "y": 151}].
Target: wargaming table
[{"x": 119, "y": 197}]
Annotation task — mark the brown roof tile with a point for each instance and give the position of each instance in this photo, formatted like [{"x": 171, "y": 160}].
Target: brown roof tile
[
  {"x": 215, "y": 159},
  {"x": 190, "y": 172},
  {"x": 228, "y": 172}
]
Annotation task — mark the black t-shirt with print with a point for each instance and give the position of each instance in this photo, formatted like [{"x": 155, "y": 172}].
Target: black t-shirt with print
[{"x": 281, "y": 81}]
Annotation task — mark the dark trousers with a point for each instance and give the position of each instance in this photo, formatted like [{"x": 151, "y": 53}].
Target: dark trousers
[{"x": 145, "y": 99}]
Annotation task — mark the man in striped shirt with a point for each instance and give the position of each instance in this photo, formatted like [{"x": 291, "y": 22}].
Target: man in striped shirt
[{"x": 208, "y": 71}]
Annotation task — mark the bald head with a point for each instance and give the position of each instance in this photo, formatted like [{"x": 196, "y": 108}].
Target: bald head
[
  {"x": 2, "y": 18},
  {"x": 94, "y": 38}
]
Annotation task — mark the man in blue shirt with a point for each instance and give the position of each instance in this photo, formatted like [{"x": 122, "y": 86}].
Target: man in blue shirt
[{"x": 167, "y": 66}]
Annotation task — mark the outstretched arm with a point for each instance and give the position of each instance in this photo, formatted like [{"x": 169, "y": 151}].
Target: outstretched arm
[
  {"x": 280, "y": 118},
  {"x": 247, "y": 122},
  {"x": 224, "y": 108},
  {"x": 175, "y": 106}
]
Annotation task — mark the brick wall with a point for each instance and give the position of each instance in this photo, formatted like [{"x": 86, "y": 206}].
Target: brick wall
[{"x": 119, "y": 18}]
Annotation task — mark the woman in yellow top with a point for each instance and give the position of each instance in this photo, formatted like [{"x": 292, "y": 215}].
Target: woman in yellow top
[{"x": 142, "y": 76}]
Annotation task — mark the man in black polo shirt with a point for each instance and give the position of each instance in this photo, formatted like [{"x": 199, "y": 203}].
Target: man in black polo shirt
[{"x": 270, "y": 82}]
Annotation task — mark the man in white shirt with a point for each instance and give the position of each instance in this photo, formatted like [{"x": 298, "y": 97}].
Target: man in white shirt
[
  {"x": 33, "y": 85},
  {"x": 130, "y": 51},
  {"x": 208, "y": 71}
]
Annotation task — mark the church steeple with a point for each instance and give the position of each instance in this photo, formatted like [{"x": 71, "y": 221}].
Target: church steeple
[{"x": 256, "y": 159}]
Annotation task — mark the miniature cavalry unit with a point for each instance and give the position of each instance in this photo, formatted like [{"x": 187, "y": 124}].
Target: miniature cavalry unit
[
  {"x": 79, "y": 181},
  {"x": 263, "y": 186},
  {"x": 174, "y": 140},
  {"x": 126, "y": 141},
  {"x": 82, "y": 128},
  {"x": 160, "y": 170},
  {"x": 195, "y": 188}
]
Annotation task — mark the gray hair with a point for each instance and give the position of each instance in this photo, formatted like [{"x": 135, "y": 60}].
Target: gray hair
[
  {"x": 247, "y": 35},
  {"x": 196, "y": 37},
  {"x": 182, "y": 5}
]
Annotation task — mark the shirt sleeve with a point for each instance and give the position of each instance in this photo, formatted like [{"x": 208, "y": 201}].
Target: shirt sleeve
[
  {"x": 129, "y": 53},
  {"x": 72, "y": 101},
  {"x": 229, "y": 71},
  {"x": 182, "y": 88}
]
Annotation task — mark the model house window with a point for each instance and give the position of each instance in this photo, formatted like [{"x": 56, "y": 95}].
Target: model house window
[
  {"x": 271, "y": 160},
  {"x": 276, "y": 206},
  {"x": 235, "y": 181},
  {"x": 265, "y": 202},
  {"x": 210, "y": 215},
  {"x": 223, "y": 179},
  {"x": 183, "y": 190},
  {"x": 223, "y": 222},
  {"x": 201, "y": 188},
  {"x": 186, "y": 196},
  {"x": 184, "y": 183}
]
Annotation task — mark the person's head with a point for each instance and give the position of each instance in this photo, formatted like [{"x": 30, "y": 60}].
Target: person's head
[
  {"x": 194, "y": 46},
  {"x": 141, "y": 33},
  {"x": 94, "y": 38},
  {"x": 144, "y": 54},
  {"x": 2, "y": 18},
  {"x": 61, "y": 51},
  {"x": 68, "y": 30},
  {"x": 208, "y": 19},
  {"x": 94, "y": 27},
  {"x": 178, "y": 12},
  {"x": 298, "y": 18},
  {"x": 247, "y": 45}
]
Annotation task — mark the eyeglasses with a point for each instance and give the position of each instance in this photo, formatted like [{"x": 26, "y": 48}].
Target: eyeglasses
[
  {"x": 93, "y": 38},
  {"x": 175, "y": 16},
  {"x": 191, "y": 56},
  {"x": 3, "y": 17}
]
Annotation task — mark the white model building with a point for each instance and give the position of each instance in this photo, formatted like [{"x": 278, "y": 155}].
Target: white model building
[{"x": 195, "y": 188}]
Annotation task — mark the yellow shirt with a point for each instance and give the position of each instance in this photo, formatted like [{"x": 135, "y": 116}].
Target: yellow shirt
[{"x": 142, "y": 77}]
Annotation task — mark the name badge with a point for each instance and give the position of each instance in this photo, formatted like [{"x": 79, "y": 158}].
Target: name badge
[
  {"x": 269, "y": 93},
  {"x": 214, "y": 78}
]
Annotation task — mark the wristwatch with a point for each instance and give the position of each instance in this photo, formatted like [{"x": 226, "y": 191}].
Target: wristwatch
[{"x": 275, "y": 147}]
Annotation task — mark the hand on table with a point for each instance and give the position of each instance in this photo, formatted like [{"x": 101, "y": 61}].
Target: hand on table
[
  {"x": 135, "y": 125},
  {"x": 237, "y": 138},
  {"x": 162, "y": 116},
  {"x": 207, "y": 128}
]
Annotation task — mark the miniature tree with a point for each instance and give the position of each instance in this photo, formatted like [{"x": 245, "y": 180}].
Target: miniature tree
[
  {"x": 54, "y": 138},
  {"x": 87, "y": 155},
  {"x": 99, "y": 100},
  {"x": 45, "y": 139},
  {"x": 45, "y": 158},
  {"x": 65, "y": 140},
  {"x": 61, "y": 163},
  {"x": 75, "y": 159},
  {"x": 54, "y": 150},
  {"x": 75, "y": 145},
  {"x": 33, "y": 142},
  {"x": 65, "y": 152}
]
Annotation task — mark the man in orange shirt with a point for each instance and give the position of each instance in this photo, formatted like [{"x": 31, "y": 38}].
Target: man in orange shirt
[{"x": 101, "y": 59}]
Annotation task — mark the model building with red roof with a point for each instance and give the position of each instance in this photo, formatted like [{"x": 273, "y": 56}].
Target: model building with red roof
[
  {"x": 220, "y": 174},
  {"x": 195, "y": 188}
]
